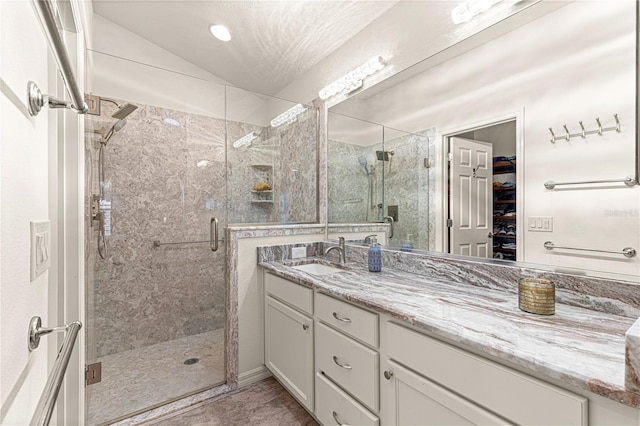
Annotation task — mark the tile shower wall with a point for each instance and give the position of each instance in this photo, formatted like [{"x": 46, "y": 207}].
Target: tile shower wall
[
  {"x": 285, "y": 157},
  {"x": 406, "y": 185},
  {"x": 348, "y": 184},
  {"x": 165, "y": 178}
]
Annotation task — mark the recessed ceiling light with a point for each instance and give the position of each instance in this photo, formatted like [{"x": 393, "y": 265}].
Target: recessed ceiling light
[{"x": 220, "y": 32}]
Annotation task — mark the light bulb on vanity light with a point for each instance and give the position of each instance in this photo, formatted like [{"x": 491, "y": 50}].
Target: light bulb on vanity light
[
  {"x": 354, "y": 79},
  {"x": 289, "y": 116},
  {"x": 246, "y": 140}
]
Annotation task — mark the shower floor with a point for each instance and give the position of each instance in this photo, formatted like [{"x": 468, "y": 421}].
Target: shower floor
[{"x": 139, "y": 379}]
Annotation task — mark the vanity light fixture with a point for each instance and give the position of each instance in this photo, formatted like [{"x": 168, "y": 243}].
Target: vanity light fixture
[
  {"x": 220, "y": 32},
  {"x": 353, "y": 80},
  {"x": 289, "y": 116},
  {"x": 464, "y": 12},
  {"x": 246, "y": 140}
]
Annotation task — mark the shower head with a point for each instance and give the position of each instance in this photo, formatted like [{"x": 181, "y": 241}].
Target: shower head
[
  {"x": 118, "y": 125},
  {"x": 124, "y": 111},
  {"x": 93, "y": 103},
  {"x": 363, "y": 162}
]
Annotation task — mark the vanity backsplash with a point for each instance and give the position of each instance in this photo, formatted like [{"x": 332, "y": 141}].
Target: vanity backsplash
[{"x": 610, "y": 296}]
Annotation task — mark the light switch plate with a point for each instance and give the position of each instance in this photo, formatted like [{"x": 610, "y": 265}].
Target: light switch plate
[
  {"x": 540, "y": 224},
  {"x": 40, "y": 247},
  {"x": 298, "y": 252}
]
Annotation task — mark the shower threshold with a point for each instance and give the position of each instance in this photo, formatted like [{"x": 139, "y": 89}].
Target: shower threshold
[{"x": 143, "y": 378}]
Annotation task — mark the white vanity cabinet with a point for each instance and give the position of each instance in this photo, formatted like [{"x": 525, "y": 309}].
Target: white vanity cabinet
[
  {"x": 347, "y": 363},
  {"x": 350, "y": 366},
  {"x": 433, "y": 383},
  {"x": 289, "y": 336}
]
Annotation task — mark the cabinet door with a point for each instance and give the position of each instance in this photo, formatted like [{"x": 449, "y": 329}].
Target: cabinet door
[
  {"x": 416, "y": 400},
  {"x": 289, "y": 349}
]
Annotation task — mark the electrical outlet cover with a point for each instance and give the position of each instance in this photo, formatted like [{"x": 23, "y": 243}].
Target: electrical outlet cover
[
  {"x": 298, "y": 252},
  {"x": 40, "y": 247}
]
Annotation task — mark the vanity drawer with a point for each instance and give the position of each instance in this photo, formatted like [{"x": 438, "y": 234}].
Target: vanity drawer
[
  {"x": 333, "y": 406},
  {"x": 515, "y": 396},
  {"x": 296, "y": 295},
  {"x": 350, "y": 364},
  {"x": 351, "y": 320}
]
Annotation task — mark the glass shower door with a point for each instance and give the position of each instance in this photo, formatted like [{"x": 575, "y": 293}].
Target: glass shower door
[{"x": 156, "y": 292}]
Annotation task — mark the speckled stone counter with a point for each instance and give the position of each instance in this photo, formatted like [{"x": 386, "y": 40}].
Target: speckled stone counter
[{"x": 578, "y": 346}]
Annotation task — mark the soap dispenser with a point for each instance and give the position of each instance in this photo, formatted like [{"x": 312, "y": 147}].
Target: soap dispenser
[
  {"x": 375, "y": 258},
  {"x": 407, "y": 245}
]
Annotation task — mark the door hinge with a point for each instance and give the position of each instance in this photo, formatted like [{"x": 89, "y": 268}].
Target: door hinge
[
  {"x": 93, "y": 373},
  {"x": 450, "y": 156},
  {"x": 449, "y": 223}
]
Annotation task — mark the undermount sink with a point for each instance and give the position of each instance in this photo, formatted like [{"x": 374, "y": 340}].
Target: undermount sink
[{"x": 317, "y": 268}]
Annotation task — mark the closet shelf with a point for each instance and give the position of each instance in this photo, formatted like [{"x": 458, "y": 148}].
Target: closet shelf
[
  {"x": 505, "y": 217},
  {"x": 505, "y": 201}
]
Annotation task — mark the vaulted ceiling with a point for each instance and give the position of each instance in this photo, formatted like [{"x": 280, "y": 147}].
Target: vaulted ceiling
[{"x": 273, "y": 42}]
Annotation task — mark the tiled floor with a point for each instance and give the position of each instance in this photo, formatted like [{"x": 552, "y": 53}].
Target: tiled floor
[
  {"x": 142, "y": 378},
  {"x": 265, "y": 403}
]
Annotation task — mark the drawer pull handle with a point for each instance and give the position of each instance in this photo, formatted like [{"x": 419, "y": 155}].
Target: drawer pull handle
[
  {"x": 335, "y": 417},
  {"x": 305, "y": 327},
  {"x": 345, "y": 366},
  {"x": 388, "y": 375},
  {"x": 335, "y": 315}
]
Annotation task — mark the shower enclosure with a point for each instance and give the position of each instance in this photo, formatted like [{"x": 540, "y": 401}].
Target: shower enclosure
[
  {"x": 156, "y": 184},
  {"x": 376, "y": 172}
]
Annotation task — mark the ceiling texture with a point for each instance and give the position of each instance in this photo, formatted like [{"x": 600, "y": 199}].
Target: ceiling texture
[{"x": 273, "y": 42}]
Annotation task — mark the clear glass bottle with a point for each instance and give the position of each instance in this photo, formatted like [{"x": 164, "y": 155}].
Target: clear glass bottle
[{"x": 375, "y": 257}]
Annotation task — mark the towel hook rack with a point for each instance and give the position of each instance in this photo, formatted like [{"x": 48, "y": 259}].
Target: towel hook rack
[{"x": 600, "y": 130}]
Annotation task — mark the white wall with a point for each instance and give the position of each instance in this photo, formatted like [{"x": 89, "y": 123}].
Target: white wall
[
  {"x": 24, "y": 149},
  {"x": 575, "y": 64},
  {"x": 123, "y": 65}
]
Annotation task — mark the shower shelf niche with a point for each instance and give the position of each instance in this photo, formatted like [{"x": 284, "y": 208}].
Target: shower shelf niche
[{"x": 262, "y": 173}]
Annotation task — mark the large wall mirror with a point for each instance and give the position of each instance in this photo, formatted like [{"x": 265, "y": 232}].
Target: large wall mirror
[{"x": 522, "y": 148}]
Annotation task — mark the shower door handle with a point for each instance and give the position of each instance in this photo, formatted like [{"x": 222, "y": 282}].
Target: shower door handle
[{"x": 213, "y": 234}]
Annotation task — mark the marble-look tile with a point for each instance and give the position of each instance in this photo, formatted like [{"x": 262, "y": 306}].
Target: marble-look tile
[
  {"x": 402, "y": 181},
  {"x": 322, "y": 162},
  {"x": 141, "y": 378},
  {"x": 264, "y": 403},
  {"x": 141, "y": 295},
  {"x": 451, "y": 297}
]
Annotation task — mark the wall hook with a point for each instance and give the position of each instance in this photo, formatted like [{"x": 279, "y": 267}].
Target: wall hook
[
  {"x": 553, "y": 136},
  {"x": 568, "y": 134},
  {"x": 599, "y": 126},
  {"x": 617, "y": 122},
  {"x": 584, "y": 135}
]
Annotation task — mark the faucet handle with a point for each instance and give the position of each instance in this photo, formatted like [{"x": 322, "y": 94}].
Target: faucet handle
[{"x": 367, "y": 239}]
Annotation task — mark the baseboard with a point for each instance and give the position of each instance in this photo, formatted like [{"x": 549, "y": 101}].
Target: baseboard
[{"x": 253, "y": 376}]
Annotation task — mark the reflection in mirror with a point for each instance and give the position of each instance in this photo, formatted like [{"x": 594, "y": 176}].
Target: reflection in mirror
[
  {"x": 573, "y": 67},
  {"x": 379, "y": 174}
]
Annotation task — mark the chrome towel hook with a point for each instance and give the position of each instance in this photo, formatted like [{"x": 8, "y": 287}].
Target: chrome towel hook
[
  {"x": 599, "y": 126},
  {"x": 584, "y": 132}
]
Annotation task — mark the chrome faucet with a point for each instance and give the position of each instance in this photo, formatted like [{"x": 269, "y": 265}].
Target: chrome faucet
[
  {"x": 367, "y": 239},
  {"x": 340, "y": 248}
]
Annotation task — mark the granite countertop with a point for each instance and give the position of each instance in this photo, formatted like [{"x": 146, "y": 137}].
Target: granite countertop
[{"x": 578, "y": 346}]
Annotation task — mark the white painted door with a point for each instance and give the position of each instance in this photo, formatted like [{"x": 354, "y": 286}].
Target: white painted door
[
  {"x": 470, "y": 198},
  {"x": 416, "y": 400},
  {"x": 289, "y": 349}
]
